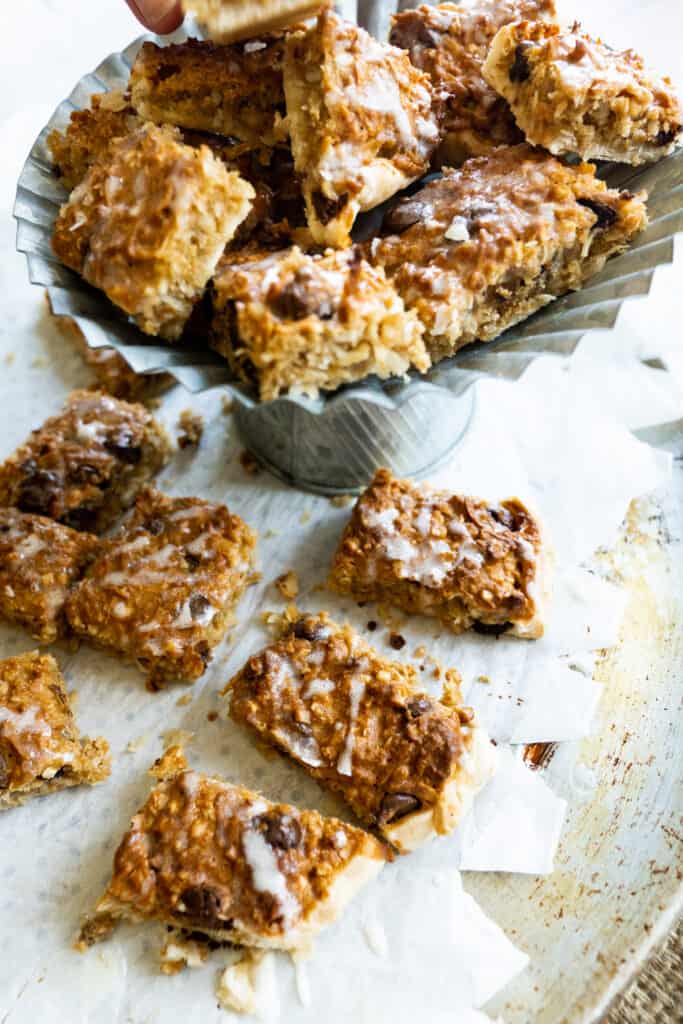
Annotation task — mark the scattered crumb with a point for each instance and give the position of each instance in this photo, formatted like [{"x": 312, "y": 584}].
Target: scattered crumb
[
  {"x": 271, "y": 533},
  {"x": 420, "y": 651},
  {"x": 237, "y": 986},
  {"x": 483, "y": 679},
  {"x": 451, "y": 695},
  {"x": 191, "y": 428},
  {"x": 184, "y": 700},
  {"x": 397, "y": 641},
  {"x": 39, "y": 362},
  {"x": 371, "y": 625},
  {"x": 177, "y": 738},
  {"x": 288, "y": 584},
  {"x": 170, "y": 763},
  {"x": 212, "y": 716},
  {"x": 179, "y": 952},
  {"x": 305, "y": 516},
  {"x": 136, "y": 745},
  {"x": 227, "y": 404},
  {"x": 277, "y": 622},
  {"x": 9, "y": 358},
  {"x": 342, "y": 500},
  {"x": 249, "y": 463}
]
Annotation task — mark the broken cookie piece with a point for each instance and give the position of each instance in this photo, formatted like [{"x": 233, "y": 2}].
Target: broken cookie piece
[
  {"x": 449, "y": 42},
  {"x": 89, "y": 134},
  {"x": 148, "y": 224},
  {"x": 162, "y": 590},
  {"x": 85, "y": 465},
  {"x": 40, "y": 561},
  {"x": 573, "y": 94},
  {"x": 41, "y": 749},
  {"x": 232, "y": 91},
  {"x": 215, "y": 858},
  {"x": 487, "y": 245},
  {"x": 468, "y": 563},
  {"x": 406, "y": 764},
  {"x": 362, "y": 120},
  {"x": 227, "y": 20},
  {"x": 299, "y": 323}
]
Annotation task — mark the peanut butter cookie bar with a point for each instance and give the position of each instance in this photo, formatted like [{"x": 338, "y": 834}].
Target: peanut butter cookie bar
[
  {"x": 85, "y": 465},
  {"x": 148, "y": 224},
  {"x": 41, "y": 749},
  {"x": 468, "y": 563},
  {"x": 362, "y": 122},
  {"x": 218, "y": 859},
  {"x": 573, "y": 94},
  {"x": 229, "y": 90},
  {"x": 407, "y": 764},
  {"x": 40, "y": 561},
  {"x": 163, "y": 589},
  {"x": 225, "y": 21},
  {"x": 301, "y": 323},
  {"x": 89, "y": 134},
  {"x": 483, "y": 247},
  {"x": 450, "y": 41}
]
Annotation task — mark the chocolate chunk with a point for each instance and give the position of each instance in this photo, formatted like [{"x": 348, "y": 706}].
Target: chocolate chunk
[
  {"x": 309, "y": 629},
  {"x": 155, "y": 527},
  {"x": 39, "y": 490},
  {"x": 372, "y": 625},
  {"x": 203, "y": 905},
  {"x": 606, "y": 215},
  {"x": 520, "y": 69},
  {"x": 204, "y": 651},
  {"x": 167, "y": 72},
  {"x": 123, "y": 445},
  {"x": 281, "y": 831},
  {"x": 395, "y": 806},
  {"x": 404, "y": 215},
  {"x": 667, "y": 136},
  {"x": 199, "y": 605},
  {"x": 410, "y": 33},
  {"x": 193, "y": 561},
  {"x": 327, "y": 209},
  {"x": 417, "y": 706},
  {"x": 302, "y": 297},
  {"x": 82, "y": 517},
  {"x": 506, "y": 518},
  {"x": 5, "y": 776},
  {"x": 397, "y": 641},
  {"x": 491, "y": 628}
]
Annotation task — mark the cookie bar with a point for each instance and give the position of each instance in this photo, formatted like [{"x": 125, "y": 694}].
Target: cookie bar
[
  {"x": 214, "y": 858},
  {"x": 362, "y": 122},
  {"x": 89, "y": 134},
  {"x": 148, "y": 224},
  {"x": 459, "y": 559},
  {"x": 163, "y": 589},
  {"x": 229, "y": 90},
  {"x": 573, "y": 94},
  {"x": 483, "y": 247},
  {"x": 450, "y": 42},
  {"x": 40, "y": 561},
  {"x": 225, "y": 21},
  {"x": 41, "y": 749},
  {"x": 301, "y": 323},
  {"x": 406, "y": 764},
  {"x": 85, "y": 465}
]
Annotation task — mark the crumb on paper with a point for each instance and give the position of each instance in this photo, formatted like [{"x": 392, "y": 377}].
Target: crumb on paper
[
  {"x": 420, "y": 651},
  {"x": 184, "y": 700},
  {"x": 305, "y": 516},
  {"x": 371, "y": 625},
  {"x": 212, "y": 716},
  {"x": 236, "y": 988},
  {"x": 191, "y": 428},
  {"x": 288, "y": 584},
  {"x": 227, "y": 405},
  {"x": 397, "y": 641},
  {"x": 170, "y": 763},
  {"x": 179, "y": 952},
  {"x": 271, "y": 533},
  {"x": 278, "y": 622},
  {"x": 249, "y": 462},
  {"x": 342, "y": 500},
  {"x": 451, "y": 694},
  {"x": 134, "y": 745},
  {"x": 483, "y": 679},
  {"x": 9, "y": 358},
  {"x": 177, "y": 738}
]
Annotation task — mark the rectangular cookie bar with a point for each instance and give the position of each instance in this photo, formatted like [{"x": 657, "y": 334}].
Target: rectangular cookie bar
[
  {"x": 406, "y": 764},
  {"x": 573, "y": 94},
  {"x": 215, "y": 858},
  {"x": 162, "y": 590},
  {"x": 464, "y": 561},
  {"x": 40, "y": 561},
  {"x": 85, "y": 465},
  {"x": 362, "y": 121},
  {"x": 148, "y": 224},
  {"x": 89, "y": 134},
  {"x": 485, "y": 246},
  {"x": 225, "y": 21},
  {"x": 229, "y": 90},
  {"x": 41, "y": 749},
  {"x": 302, "y": 323},
  {"x": 449, "y": 42}
]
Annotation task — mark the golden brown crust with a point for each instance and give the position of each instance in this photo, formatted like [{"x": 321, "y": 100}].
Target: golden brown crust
[
  {"x": 40, "y": 561},
  {"x": 89, "y": 135},
  {"x": 358, "y": 723},
  {"x": 40, "y": 746},
  {"x": 572, "y": 94},
  {"x": 148, "y": 224},
  {"x": 481, "y": 248},
  {"x": 162, "y": 590},
  {"x": 215, "y": 858},
  {"x": 301, "y": 323},
  {"x": 450, "y": 41},
  {"x": 460, "y": 559},
  {"x": 229, "y": 90},
  {"x": 85, "y": 465},
  {"x": 362, "y": 121},
  {"x": 225, "y": 21}
]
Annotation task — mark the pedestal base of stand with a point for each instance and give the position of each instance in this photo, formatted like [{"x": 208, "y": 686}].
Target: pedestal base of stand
[{"x": 337, "y": 451}]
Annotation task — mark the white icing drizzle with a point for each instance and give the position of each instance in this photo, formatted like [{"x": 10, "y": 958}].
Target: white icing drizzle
[
  {"x": 266, "y": 875},
  {"x": 318, "y": 687},
  {"x": 340, "y": 839},
  {"x": 304, "y": 747},
  {"x": 25, "y": 721},
  {"x": 283, "y": 673},
  {"x": 29, "y": 546},
  {"x": 91, "y": 432},
  {"x": 356, "y": 692},
  {"x": 185, "y": 619}
]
